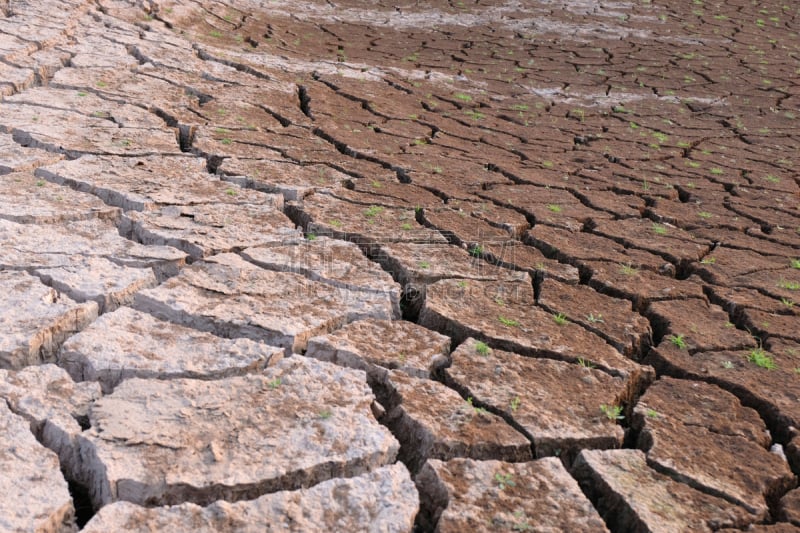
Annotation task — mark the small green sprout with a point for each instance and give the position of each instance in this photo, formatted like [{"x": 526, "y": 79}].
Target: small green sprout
[
  {"x": 708, "y": 260},
  {"x": 325, "y": 414},
  {"x": 560, "y": 319},
  {"x": 373, "y": 211},
  {"x": 40, "y": 183},
  {"x": 584, "y": 363},
  {"x": 231, "y": 192},
  {"x": 795, "y": 263},
  {"x": 612, "y": 412},
  {"x": 463, "y": 97},
  {"x": 555, "y": 208},
  {"x": 311, "y": 236},
  {"x": 406, "y": 226},
  {"x": 215, "y": 33},
  {"x": 275, "y": 383},
  {"x": 727, "y": 365},
  {"x": 659, "y": 229},
  {"x": 678, "y": 341},
  {"x": 629, "y": 270},
  {"x": 424, "y": 265},
  {"x": 717, "y": 171},
  {"x": 335, "y": 223},
  {"x": 508, "y": 322},
  {"x": 227, "y": 141},
  {"x": 515, "y": 403},
  {"x": 504, "y": 480},
  {"x": 477, "y": 410},
  {"x": 704, "y": 214},
  {"x": 482, "y": 348},
  {"x": 789, "y": 285},
  {"x": 476, "y": 250},
  {"x": 594, "y": 319},
  {"x": 787, "y": 302},
  {"x": 761, "y": 358},
  {"x": 652, "y": 413}
]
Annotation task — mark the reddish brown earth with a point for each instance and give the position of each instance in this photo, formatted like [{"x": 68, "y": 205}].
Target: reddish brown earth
[{"x": 438, "y": 266}]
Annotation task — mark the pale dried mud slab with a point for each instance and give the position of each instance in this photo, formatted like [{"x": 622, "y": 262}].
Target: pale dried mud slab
[
  {"x": 632, "y": 497},
  {"x": 56, "y": 408},
  {"x": 301, "y": 422},
  {"x": 432, "y": 421},
  {"x": 16, "y": 158},
  {"x": 323, "y": 214},
  {"x": 208, "y": 229},
  {"x": 676, "y": 419},
  {"x": 464, "y": 494},
  {"x": 292, "y": 180},
  {"x": 32, "y": 480},
  {"x": 27, "y": 199},
  {"x": 36, "y": 319},
  {"x": 382, "y": 500},
  {"x": 127, "y": 343},
  {"x": 561, "y": 414},
  {"x": 390, "y": 344},
  {"x": 232, "y": 298},
  {"x": 505, "y": 316},
  {"x": 24, "y": 246},
  {"x": 337, "y": 263},
  {"x": 145, "y": 183},
  {"x": 99, "y": 136},
  {"x": 100, "y": 280}
]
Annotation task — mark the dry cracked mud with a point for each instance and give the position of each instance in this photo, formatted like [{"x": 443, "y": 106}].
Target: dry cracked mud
[{"x": 433, "y": 266}]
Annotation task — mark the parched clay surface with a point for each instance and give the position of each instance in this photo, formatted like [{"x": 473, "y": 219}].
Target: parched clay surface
[{"x": 266, "y": 263}]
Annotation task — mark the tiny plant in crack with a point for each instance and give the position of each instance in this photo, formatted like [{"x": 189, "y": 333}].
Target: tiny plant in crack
[
  {"x": 787, "y": 302},
  {"x": 678, "y": 341},
  {"x": 508, "y": 322},
  {"x": 727, "y": 365},
  {"x": 476, "y": 250},
  {"x": 708, "y": 260},
  {"x": 795, "y": 263},
  {"x": 325, "y": 414},
  {"x": 612, "y": 412},
  {"x": 594, "y": 319},
  {"x": 760, "y": 358},
  {"x": 584, "y": 363},
  {"x": 477, "y": 410},
  {"x": 628, "y": 270},
  {"x": 515, "y": 403},
  {"x": 482, "y": 348},
  {"x": 504, "y": 480},
  {"x": 555, "y": 208},
  {"x": 560, "y": 319},
  {"x": 274, "y": 384},
  {"x": 424, "y": 265},
  {"x": 652, "y": 413}
]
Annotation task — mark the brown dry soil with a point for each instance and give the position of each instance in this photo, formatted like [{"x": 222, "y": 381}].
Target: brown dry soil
[{"x": 541, "y": 229}]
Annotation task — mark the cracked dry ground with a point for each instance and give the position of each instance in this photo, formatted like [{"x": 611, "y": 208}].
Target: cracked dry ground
[{"x": 452, "y": 266}]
